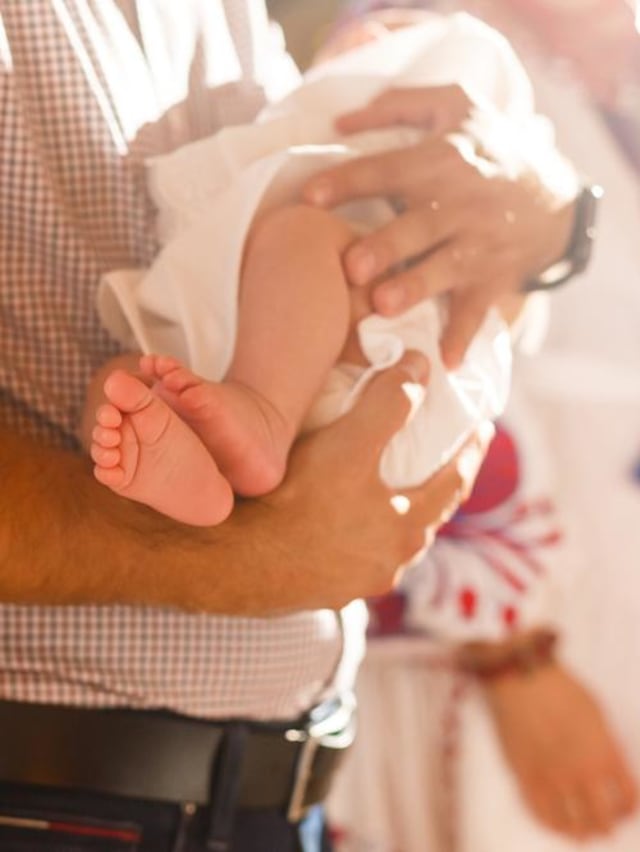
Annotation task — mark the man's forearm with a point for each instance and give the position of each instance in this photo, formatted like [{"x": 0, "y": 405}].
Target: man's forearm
[
  {"x": 328, "y": 534},
  {"x": 64, "y": 539}
]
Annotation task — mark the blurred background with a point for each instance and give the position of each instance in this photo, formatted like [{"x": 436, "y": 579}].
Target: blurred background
[{"x": 306, "y": 23}]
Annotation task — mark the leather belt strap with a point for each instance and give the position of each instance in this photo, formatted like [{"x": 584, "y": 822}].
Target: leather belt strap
[{"x": 163, "y": 757}]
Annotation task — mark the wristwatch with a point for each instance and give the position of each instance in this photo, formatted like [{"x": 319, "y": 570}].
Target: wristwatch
[{"x": 578, "y": 254}]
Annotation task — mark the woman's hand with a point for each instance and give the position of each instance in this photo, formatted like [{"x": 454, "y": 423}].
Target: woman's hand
[
  {"x": 472, "y": 224},
  {"x": 569, "y": 767}
]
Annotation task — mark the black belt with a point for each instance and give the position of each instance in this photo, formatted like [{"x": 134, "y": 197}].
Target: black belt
[{"x": 164, "y": 757}]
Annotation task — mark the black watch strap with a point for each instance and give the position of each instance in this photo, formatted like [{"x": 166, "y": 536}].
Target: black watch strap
[{"x": 578, "y": 254}]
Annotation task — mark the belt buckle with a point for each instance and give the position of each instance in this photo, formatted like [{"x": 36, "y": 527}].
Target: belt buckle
[{"x": 336, "y": 731}]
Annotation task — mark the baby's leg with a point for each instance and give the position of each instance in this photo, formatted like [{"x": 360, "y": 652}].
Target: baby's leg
[
  {"x": 295, "y": 308},
  {"x": 143, "y": 450},
  {"x": 294, "y": 319}
]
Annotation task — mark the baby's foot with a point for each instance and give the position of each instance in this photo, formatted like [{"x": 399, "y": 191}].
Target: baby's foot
[
  {"x": 243, "y": 432},
  {"x": 144, "y": 451}
]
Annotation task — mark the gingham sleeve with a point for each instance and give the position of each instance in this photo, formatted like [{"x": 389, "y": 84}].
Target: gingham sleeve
[
  {"x": 82, "y": 103},
  {"x": 67, "y": 210}
]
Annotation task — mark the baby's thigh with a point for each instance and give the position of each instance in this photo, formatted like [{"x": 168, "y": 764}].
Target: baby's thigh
[
  {"x": 309, "y": 243},
  {"x": 300, "y": 231}
]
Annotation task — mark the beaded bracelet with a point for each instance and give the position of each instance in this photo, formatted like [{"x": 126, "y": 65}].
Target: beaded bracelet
[{"x": 524, "y": 656}]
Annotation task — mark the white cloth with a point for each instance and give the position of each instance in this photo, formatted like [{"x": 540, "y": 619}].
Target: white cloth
[{"x": 208, "y": 194}]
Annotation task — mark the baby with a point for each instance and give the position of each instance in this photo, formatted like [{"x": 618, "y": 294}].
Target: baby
[{"x": 250, "y": 298}]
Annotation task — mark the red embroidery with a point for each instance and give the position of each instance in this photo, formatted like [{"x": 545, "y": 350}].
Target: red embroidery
[
  {"x": 499, "y": 476},
  {"x": 386, "y": 614},
  {"x": 510, "y": 616},
  {"x": 468, "y": 602},
  {"x": 501, "y": 528}
]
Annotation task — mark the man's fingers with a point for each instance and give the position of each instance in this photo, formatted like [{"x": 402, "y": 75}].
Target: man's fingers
[
  {"x": 439, "y": 272},
  {"x": 434, "y": 502},
  {"x": 414, "y": 233},
  {"x": 416, "y": 173},
  {"x": 386, "y": 174},
  {"x": 396, "y": 106},
  {"x": 439, "y": 109},
  {"x": 385, "y": 403},
  {"x": 467, "y": 311}
]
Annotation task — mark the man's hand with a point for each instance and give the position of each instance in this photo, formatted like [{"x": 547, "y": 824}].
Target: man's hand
[
  {"x": 570, "y": 770},
  {"x": 470, "y": 226},
  {"x": 347, "y": 533}
]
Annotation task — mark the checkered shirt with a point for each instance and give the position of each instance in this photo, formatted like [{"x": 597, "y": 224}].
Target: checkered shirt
[{"x": 88, "y": 88}]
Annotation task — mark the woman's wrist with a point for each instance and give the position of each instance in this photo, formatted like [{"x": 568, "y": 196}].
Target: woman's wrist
[{"x": 519, "y": 655}]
